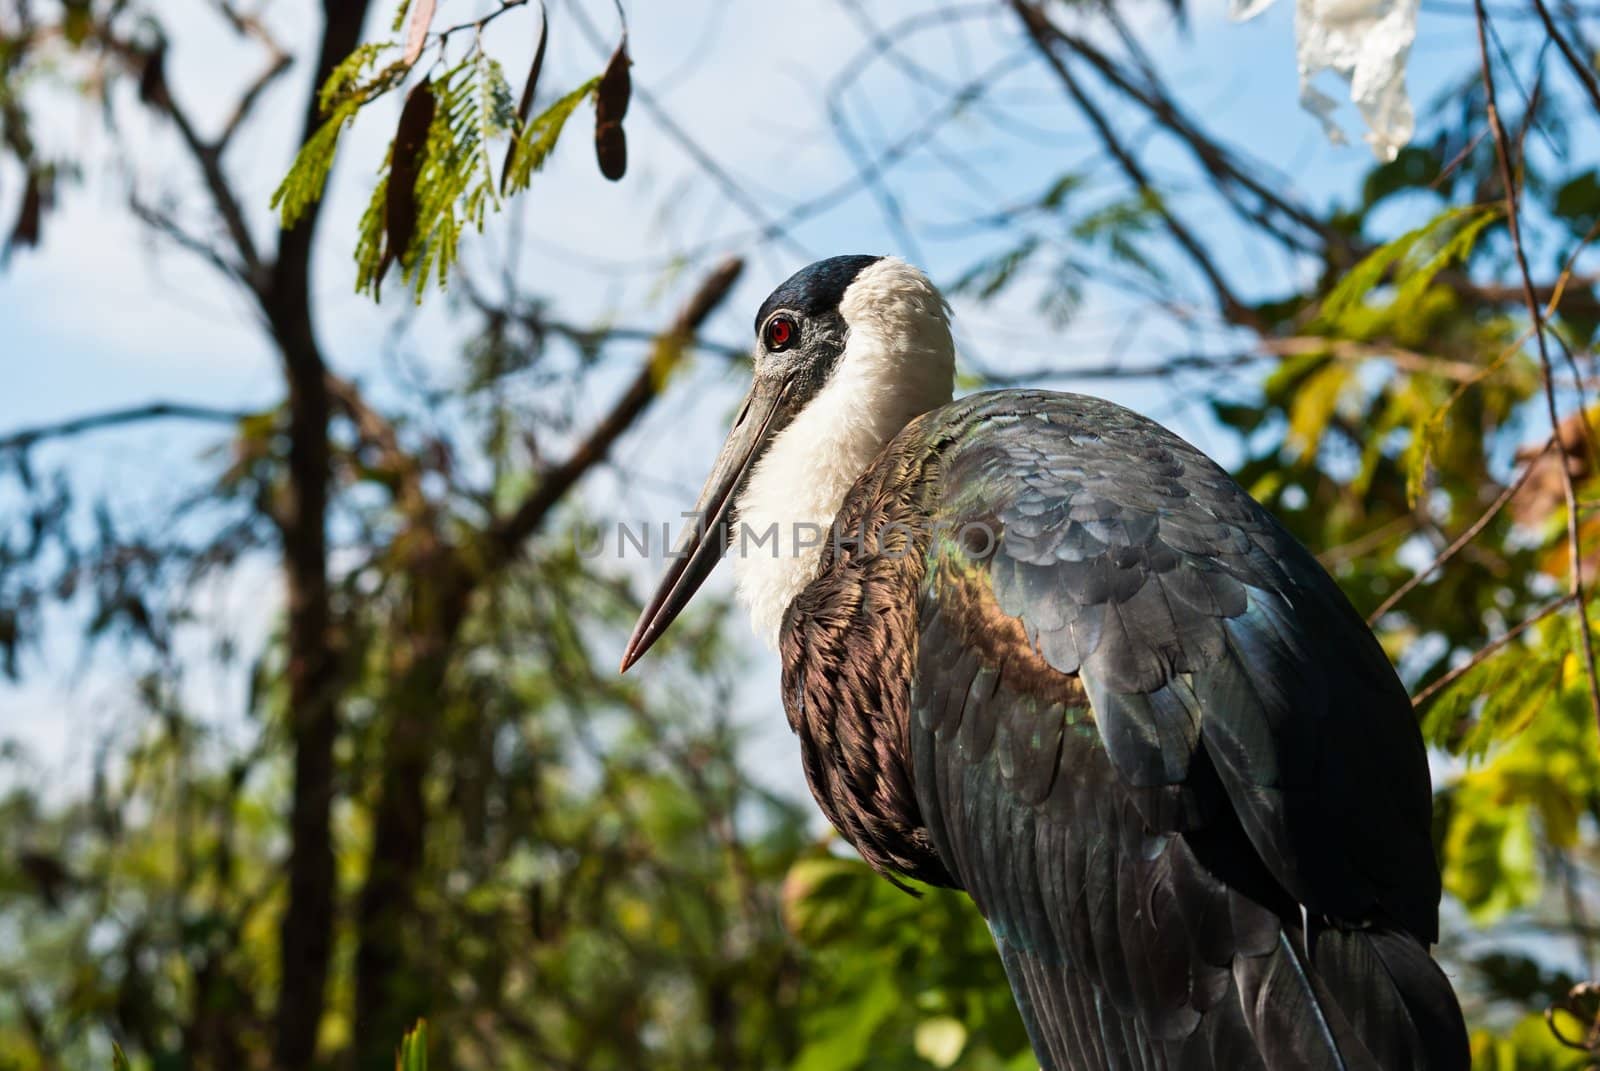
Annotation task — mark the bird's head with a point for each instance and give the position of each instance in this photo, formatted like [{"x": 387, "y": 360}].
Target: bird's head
[{"x": 847, "y": 352}]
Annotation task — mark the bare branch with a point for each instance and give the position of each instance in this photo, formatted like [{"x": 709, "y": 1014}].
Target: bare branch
[
  {"x": 1580, "y": 66},
  {"x": 1041, "y": 31},
  {"x": 112, "y": 418},
  {"x": 1488, "y": 649},
  {"x": 1217, "y": 161},
  {"x": 174, "y": 232},
  {"x": 1467, "y": 536},
  {"x": 1536, "y": 314},
  {"x": 247, "y": 101},
  {"x": 1265, "y": 349},
  {"x": 588, "y": 337},
  {"x": 510, "y": 534},
  {"x": 208, "y": 156}
]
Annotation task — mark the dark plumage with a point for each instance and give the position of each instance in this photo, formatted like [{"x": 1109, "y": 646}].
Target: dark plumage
[
  {"x": 815, "y": 290},
  {"x": 1086, "y": 678},
  {"x": 1055, "y": 657}
]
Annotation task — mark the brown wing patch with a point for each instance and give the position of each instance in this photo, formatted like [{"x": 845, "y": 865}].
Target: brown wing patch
[{"x": 967, "y": 602}]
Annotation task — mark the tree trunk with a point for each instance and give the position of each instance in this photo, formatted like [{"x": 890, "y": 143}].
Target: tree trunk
[
  {"x": 305, "y": 939},
  {"x": 392, "y": 989}
]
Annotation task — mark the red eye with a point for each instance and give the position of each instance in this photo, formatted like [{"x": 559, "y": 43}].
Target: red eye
[{"x": 781, "y": 331}]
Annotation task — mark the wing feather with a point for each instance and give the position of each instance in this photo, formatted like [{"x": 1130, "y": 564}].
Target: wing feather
[{"x": 1150, "y": 737}]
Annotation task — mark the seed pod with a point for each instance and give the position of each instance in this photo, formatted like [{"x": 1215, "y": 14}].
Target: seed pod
[
  {"x": 405, "y": 164},
  {"x": 610, "y": 105},
  {"x": 525, "y": 106},
  {"x": 417, "y": 30},
  {"x": 25, "y": 231},
  {"x": 611, "y": 149},
  {"x": 153, "y": 78},
  {"x": 616, "y": 86}
]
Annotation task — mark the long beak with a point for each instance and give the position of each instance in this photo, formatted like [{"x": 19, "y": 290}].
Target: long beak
[{"x": 704, "y": 544}]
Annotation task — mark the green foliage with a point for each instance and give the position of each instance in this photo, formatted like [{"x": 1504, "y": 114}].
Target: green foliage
[
  {"x": 413, "y": 1052},
  {"x": 537, "y": 139},
  {"x": 993, "y": 274},
  {"x": 347, "y": 89},
  {"x": 1412, "y": 168},
  {"x": 1408, "y": 263},
  {"x": 1538, "y": 770},
  {"x": 455, "y": 181},
  {"x": 455, "y": 185},
  {"x": 1118, "y": 227},
  {"x": 1528, "y": 1046},
  {"x": 902, "y": 981},
  {"x": 1578, "y": 201}
]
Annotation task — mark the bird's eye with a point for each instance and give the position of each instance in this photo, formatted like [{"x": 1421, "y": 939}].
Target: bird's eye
[{"x": 782, "y": 332}]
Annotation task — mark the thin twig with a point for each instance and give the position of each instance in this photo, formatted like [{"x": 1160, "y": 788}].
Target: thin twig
[
  {"x": 1488, "y": 649},
  {"x": 27, "y": 437},
  {"x": 731, "y": 187},
  {"x": 1579, "y": 66},
  {"x": 170, "y": 228},
  {"x": 1569, "y": 492},
  {"x": 512, "y": 531},
  {"x": 241, "y": 110},
  {"x": 1041, "y": 31},
  {"x": 1265, "y": 349},
  {"x": 1465, "y": 537},
  {"x": 1217, "y": 161}
]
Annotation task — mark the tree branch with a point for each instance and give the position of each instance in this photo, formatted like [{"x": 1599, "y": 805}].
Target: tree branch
[
  {"x": 508, "y": 536},
  {"x": 112, "y": 418},
  {"x": 241, "y": 111},
  {"x": 378, "y": 431},
  {"x": 1536, "y": 314},
  {"x": 1264, "y": 349},
  {"x": 1467, "y": 536},
  {"x": 208, "y": 157},
  {"x": 1216, "y": 160},
  {"x": 1488, "y": 649},
  {"x": 174, "y": 232},
  {"x": 1580, "y": 67},
  {"x": 1041, "y": 31}
]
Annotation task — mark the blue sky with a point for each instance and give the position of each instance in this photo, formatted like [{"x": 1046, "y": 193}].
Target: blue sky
[{"x": 101, "y": 317}]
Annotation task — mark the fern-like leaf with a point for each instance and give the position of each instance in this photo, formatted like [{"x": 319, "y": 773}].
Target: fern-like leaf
[{"x": 538, "y": 139}]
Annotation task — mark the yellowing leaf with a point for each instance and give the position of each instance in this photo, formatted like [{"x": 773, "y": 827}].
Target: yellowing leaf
[{"x": 1315, "y": 402}]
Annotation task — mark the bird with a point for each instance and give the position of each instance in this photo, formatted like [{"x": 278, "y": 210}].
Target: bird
[{"x": 1039, "y": 648}]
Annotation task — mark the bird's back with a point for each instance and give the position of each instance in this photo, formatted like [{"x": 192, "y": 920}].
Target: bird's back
[{"x": 1057, "y": 658}]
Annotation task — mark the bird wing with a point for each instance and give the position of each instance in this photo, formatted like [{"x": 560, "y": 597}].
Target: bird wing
[{"x": 1165, "y": 756}]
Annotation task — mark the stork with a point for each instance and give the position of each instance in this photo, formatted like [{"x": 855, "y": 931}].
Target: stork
[{"x": 1041, "y": 649}]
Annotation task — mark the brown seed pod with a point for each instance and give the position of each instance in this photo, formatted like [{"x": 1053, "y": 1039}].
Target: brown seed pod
[
  {"x": 405, "y": 164},
  {"x": 417, "y": 31},
  {"x": 153, "y": 78},
  {"x": 616, "y": 86},
  {"x": 525, "y": 106},
  {"x": 25, "y": 231},
  {"x": 611, "y": 149}
]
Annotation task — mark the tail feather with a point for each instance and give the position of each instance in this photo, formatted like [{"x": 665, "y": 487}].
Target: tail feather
[
  {"x": 1294, "y": 1018},
  {"x": 1395, "y": 997}
]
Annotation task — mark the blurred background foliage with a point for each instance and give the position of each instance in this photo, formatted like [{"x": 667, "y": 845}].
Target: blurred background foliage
[{"x": 445, "y": 803}]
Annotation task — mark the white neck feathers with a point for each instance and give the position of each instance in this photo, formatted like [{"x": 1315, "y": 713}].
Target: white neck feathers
[{"x": 898, "y": 363}]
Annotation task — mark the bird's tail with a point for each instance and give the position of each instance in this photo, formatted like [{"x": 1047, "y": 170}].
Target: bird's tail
[
  {"x": 1394, "y": 997},
  {"x": 1363, "y": 1000}
]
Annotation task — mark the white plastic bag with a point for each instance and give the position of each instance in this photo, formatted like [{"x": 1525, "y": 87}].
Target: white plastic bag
[{"x": 1365, "y": 42}]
